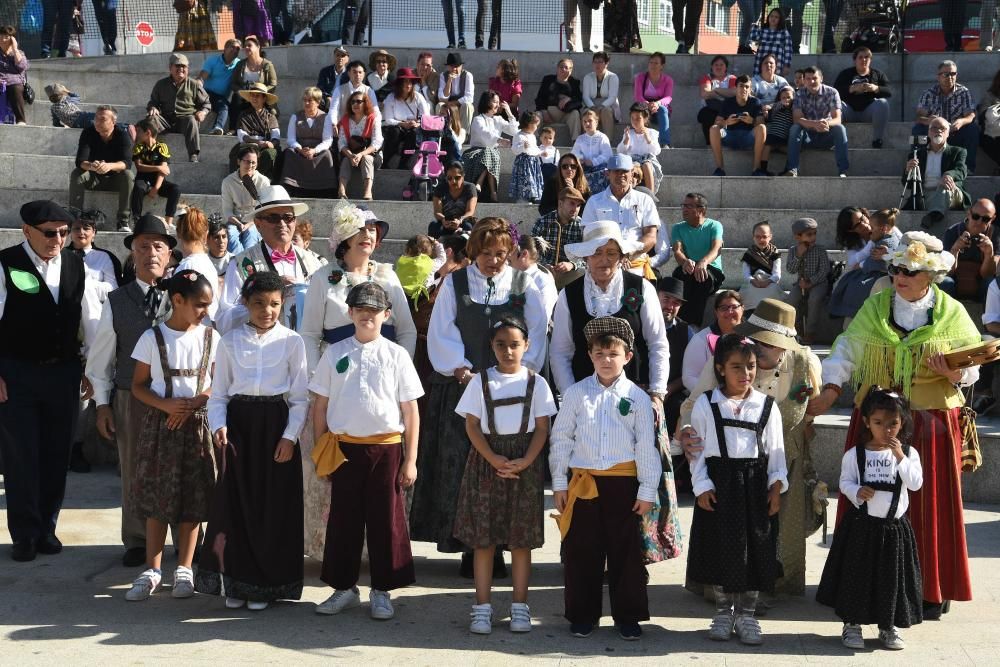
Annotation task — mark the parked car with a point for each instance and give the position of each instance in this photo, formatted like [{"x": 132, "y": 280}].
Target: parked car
[{"x": 922, "y": 19}]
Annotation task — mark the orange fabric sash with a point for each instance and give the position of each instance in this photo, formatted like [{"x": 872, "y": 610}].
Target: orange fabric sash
[
  {"x": 583, "y": 486},
  {"x": 646, "y": 265},
  {"x": 327, "y": 455}
]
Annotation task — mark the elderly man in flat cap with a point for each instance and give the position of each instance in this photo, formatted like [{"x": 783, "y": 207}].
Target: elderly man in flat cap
[
  {"x": 179, "y": 104},
  {"x": 41, "y": 290}
]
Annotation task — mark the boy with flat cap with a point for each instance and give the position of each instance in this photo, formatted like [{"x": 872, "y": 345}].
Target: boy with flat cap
[
  {"x": 811, "y": 263},
  {"x": 41, "y": 290}
]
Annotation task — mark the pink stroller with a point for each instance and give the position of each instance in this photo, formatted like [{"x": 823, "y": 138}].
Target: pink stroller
[{"x": 427, "y": 167}]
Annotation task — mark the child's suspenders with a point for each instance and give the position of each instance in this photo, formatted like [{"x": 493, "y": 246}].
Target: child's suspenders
[
  {"x": 757, "y": 427},
  {"x": 896, "y": 486},
  {"x": 491, "y": 404},
  {"x": 170, "y": 373}
]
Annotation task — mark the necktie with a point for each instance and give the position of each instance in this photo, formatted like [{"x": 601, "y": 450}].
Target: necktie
[
  {"x": 79, "y": 252},
  {"x": 283, "y": 257},
  {"x": 151, "y": 303}
]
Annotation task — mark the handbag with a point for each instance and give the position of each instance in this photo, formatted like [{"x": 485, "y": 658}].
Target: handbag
[
  {"x": 972, "y": 455},
  {"x": 29, "y": 93}
]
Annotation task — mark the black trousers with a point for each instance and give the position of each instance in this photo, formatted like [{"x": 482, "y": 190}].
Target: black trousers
[
  {"x": 355, "y": 21},
  {"x": 57, "y": 18},
  {"x": 107, "y": 21},
  {"x": 686, "y": 22},
  {"x": 698, "y": 293},
  {"x": 37, "y": 423},
  {"x": 144, "y": 183},
  {"x": 496, "y": 7},
  {"x": 952, "y": 23}
]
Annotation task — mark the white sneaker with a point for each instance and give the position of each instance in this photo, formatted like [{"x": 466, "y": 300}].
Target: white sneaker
[
  {"x": 254, "y": 605},
  {"x": 482, "y": 619},
  {"x": 851, "y": 637},
  {"x": 339, "y": 601},
  {"x": 891, "y": 640},
  {"x": 144, "y": 586},
  {"x": 381, "y": 609},
  {"x": 234, "y": 603},
  {"x": 722, "y": 627},
  {"x": 520, "y": 617},
  {"x": 183, "y": 583},
  {"x": 748, "y": 630}
]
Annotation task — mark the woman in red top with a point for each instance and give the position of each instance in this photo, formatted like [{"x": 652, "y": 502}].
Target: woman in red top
[
  {"x": 507, "y": 84},
  {"x": 360, "y": 143}
]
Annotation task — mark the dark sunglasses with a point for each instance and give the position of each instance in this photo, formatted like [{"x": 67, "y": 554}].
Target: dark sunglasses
[
  {"x": 980, "y": 218},
  {"x": 568, "y": 165},
  {"x": 948, "y": 74},
  {"x": 896, "y": 270},
  {"x": 52, "y": 233},
  {"x": 353, "y": 102},
  {"x": 275, "y": 218}
]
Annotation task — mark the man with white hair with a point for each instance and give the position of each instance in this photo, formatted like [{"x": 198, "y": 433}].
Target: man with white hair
[{"x": 943, "y": 169}]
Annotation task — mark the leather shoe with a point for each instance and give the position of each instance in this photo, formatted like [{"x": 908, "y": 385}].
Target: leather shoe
[
  {"x": 48, "y": 545},
  {"x": 134, "y": 557},
  {"x": 23, "y": 552}
]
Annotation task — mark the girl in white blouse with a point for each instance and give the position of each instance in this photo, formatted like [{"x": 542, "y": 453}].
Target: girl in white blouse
[
  {"x": 526, "y": 174},
  {"x": 257, "y": 409},
  {"x": 593, "y": 148},
  {"x": 643, "y": 144},
  {"x": 738, "y": 479}
]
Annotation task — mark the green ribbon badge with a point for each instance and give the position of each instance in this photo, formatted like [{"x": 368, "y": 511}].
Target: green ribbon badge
[
  {"x": 624, "y": 407},
  {"x": 343, "y": 364},
  {"x": 25, "y": 281}
]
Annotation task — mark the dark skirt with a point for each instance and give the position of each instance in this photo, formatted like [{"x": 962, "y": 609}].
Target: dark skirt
[
  {"x": 253, "y": 540},
  {"x": 597, "y": 178},
  {"x": 319, "y": 173},
  {"x": 736, "y": 546},
  {"x": 872, "y": 575},
  {"x": 477, "y": 160},
  {"x": 174, "y": 470},
  {"x": 621, "y": 18},
  {"x": 444, "y": 449},
  {"x": 492, "y": 510},
  {"x": 526, "y": 178}
]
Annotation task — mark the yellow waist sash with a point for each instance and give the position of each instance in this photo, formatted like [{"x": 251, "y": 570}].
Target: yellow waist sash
[
  {"x": 645, "y": 264},
  {"x": 327, "y": 455},
  {"x": 582, "y": 486}
]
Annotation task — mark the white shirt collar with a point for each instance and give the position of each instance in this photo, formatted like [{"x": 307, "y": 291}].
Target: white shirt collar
[
  {"x": 619, "y": 387},
  {"x": 925, "y": 302},
  {"x": 616, "y": 280},
  {"x": 37, "y": 260}
]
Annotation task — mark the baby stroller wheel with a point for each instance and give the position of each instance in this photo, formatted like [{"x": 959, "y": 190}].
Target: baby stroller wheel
[{"x": 424, "y": 191}]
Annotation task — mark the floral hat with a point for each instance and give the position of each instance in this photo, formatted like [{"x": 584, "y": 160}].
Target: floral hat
[
  {"x": 349, "y": 219},
  {"x": 919, "y": 251}
]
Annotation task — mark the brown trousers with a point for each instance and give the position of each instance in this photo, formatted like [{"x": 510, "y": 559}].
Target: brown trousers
[
  {"x": 605, "y": 530},
  {"x": 128, "y": 422}
]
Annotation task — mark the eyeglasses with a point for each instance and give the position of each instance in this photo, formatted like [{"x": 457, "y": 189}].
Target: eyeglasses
[
  {"x": 732, "y": 308},
  {"x": 277, "y": 218},
  {"x": 948, "y": 74},
  {"x": 896, "y": 270},
  {"x": 353, "y": 102},
  {"x": 568, "y": 165},
  {"x": 52, "y": 233},
  {"x": 979, "y": 218}
]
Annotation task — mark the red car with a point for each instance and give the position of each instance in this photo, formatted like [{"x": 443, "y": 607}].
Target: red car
[{"x": 923, "y": 27}]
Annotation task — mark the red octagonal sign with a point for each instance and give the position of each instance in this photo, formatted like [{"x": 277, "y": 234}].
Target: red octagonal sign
[{"x": 144, "y": 33}]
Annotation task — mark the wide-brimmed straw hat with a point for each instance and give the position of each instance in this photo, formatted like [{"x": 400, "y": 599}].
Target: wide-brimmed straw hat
[
  {"x": 772, "y": 323},
  {"x": 391, "y": 59},
  {"x": 259, "y": 88},
  {"x": 275, "y": 196},
  {"x": 595, "y": 235}
]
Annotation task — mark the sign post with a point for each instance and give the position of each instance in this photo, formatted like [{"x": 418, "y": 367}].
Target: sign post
[{"x": 144, "y": 34}]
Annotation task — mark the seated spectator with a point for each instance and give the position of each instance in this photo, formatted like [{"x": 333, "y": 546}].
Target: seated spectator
[
  {"x": 13, "y": 65},
  {"x": 739, "y": 125},
  {"x": 66, "y": 111},
  {"x": 952, "y": 101},
  {"x": 179, "y": 104},
  {"x": 943, "y": 169},
  {"x": 767, "y": 83},
  {"x": 817, "y": 123},
  {"x": 777, "y": 126},
  {"x": 454, "y": 202},
  {"x": 559, "y": 228},
  {"x": 240, "y": 197},
  {"x": 333, "y": 75},
  {"x": 253, "y": 69},
  {"x": 258, "y": 125},
  {"x": 481, "y": 158},
  {"x": 218, "y": 247},
  {"x": 307, "y": 165},
  {"x": 809, "y": 261},
  {"x": 429, "y": 78},
  {"x": 381, "y": 65},
  {"x": 714, "y": 87},
  {"x": 988, "y": 112},
  {"x": 456, "y": 91},
  {"x": 152, "y": 166},
  {"x": 593, "y": 148},
  {"x": 865, "y": 93},
  {"x": 401, "y": 117},
  {"x": 800, "y": 79},
  {"x": 302, "y": 238},
  {"x": 728, "y": 308},
  {"x": 696, "y": 243},
  {"x": 507, "y": 84},
  {"x": 104, "y": 162},
  {"x": 217, "y": 77},
  {"x": 856, "y": 285},
  {"x": 453, "y": 137},
  {"x": 360, "y": 143},
  {"x": 560, "y": 98},
  {"x": 547, "y": 152},
  {"x": 569, "y": 174},
  {"x": 600, "y": 92},
  {"x": 773, "y": 38},
  {"x": 355, "y": 84},
  {"x": 655, "y": 88},
  {"x": 643, "y": 145},
  {"x": 974, "y": 243},
  {"x": 761, "y": 265},
  {"x": 854, "y": 232}
]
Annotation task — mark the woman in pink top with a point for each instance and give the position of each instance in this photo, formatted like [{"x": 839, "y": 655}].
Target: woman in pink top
[
  {"x": 507, "y": 84},
  {"x": 656, "y": 89}
]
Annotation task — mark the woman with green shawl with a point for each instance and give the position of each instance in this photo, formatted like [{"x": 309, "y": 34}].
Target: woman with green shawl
[{"x": 898, "y": 339}]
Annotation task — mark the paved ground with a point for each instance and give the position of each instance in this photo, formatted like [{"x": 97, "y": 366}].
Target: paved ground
[{"x": 70, "y": 609}]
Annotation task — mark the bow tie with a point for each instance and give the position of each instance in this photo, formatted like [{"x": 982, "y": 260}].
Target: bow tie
[{"x": 283, "y": 257}]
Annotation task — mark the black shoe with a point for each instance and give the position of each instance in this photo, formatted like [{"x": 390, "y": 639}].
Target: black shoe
[
  {"x": 581, "y": 629},
  {"x": 48, "y": 545},
  {"x": 744, "y": 50},
  {"x": 499, "y": 567},
  {"x": 629, "y": 631},
  {"x": 77, "y": 461},
  {"x": 933, "y": 611},
  {"x": 946, "y": 606},
  {"x": 931, "y": 219},
  {"x": 461, "y": 44},
  {"x": 877, "y": 143},
  {"x": 134, "y": 557},
  {"x": 466, "y": 570},
  {"x": 681, "y": 48},
  {"x": 23, "y": 552}
]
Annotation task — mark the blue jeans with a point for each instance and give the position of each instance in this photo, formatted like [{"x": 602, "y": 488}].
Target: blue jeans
[
  {"x": 967, "y": 138},
  {"x": 449, "y": 24},
  {"x": 749, "y": 13},
  {"x": 220, "y": 105},
  {"x": 240, "y": 241},
  {"x": 836, "y": 137},
  {"x": 876, "y": 113},
  {"x": 662, "y": 117}
]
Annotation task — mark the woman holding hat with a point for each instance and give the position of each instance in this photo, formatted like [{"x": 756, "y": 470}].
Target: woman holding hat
[
  {"x": 790, "y": 373},
  {"x": 308, "y": 168},
  {"x": 354, "y": 236},
  {"x": 898, "y": 339},
  {"x": 253, "y": 68},
  {"x": 401, "y": 112},
  {"x": 381, "y": 64},
  {"x": 258, "y": 126},
  {"x": 608, "y": 290}
]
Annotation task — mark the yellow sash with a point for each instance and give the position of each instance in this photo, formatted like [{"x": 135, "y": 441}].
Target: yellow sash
[
  {"x": 645, "y": 264},
  {"x": 582, "y": 486},
  {"x": 327, "y": 455}
]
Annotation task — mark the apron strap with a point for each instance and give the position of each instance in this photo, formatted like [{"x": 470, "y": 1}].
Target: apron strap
[
  {"x": 206, "y": 354},
  {"x": 168, "y": 381},
  {"x": 528, "y": 395}
]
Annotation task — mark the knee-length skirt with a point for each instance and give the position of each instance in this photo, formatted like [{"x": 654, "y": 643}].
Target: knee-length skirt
[
  {"x": 526, "y": 178},
  {"x": 477, "y": 160}
]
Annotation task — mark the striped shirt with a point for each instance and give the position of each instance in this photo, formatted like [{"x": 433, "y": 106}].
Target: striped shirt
[
  {"x": 591, "y": 432},
  {"x": 953, "y": 106},
  {"x": 778, "y": 42}
]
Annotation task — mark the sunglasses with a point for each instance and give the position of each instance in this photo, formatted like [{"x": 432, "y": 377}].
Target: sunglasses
[
  {"x": 980, "y": 218},
  {"x": 729, "y": 309},
  {"x": 948, "y": 74},
  {"x": 896, "y": 270},
  {"x": 567, "y": 166},
  {"x": 353, "y": 102},
  {"x": 53, "y": 233},
  {"x": 276, "y": 218}
]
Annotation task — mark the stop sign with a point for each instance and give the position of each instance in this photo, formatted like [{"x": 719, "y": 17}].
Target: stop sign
[{"x": 144, "y": 33}]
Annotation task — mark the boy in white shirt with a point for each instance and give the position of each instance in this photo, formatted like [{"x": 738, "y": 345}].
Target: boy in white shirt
[
  {"x": 604, "y": 432},
  {"x": 366, "y": 390}
]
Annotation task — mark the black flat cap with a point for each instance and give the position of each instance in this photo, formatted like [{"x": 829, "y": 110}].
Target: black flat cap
[{"x": 43, "y": 210}]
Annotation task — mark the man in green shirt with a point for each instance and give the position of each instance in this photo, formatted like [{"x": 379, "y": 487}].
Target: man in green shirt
[
  {"x": 697, "y": 247},
  {"x": 179, "y": 104}
]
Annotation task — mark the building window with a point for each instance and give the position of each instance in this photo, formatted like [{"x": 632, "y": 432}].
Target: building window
[
  {"x": 643, "y": 12},
  {"x": 665, "y": 17},
  {"x": 717, "y": 16}
]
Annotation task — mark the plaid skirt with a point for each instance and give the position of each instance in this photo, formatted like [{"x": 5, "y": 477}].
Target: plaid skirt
[
  {"x": 195, "y": 31},
  {"x": 477, "y": 160}
]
